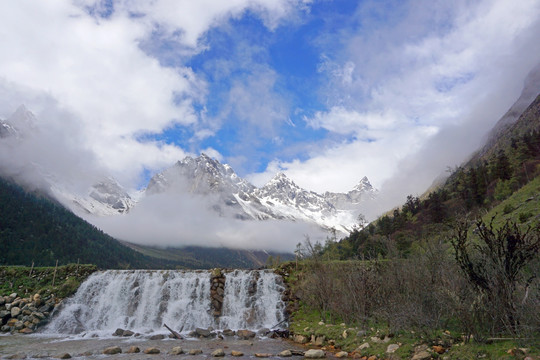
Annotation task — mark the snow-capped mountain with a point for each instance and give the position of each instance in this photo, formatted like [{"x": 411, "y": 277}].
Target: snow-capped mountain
[
  {"x": 280, "y": 198},
  {"x": 104, "y": 198},
  {"x": 354, "y": 198},
  {"x": 18, "y": 134},
  {"x": 216, "y": 185}
]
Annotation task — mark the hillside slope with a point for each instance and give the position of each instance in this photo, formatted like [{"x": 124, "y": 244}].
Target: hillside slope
[
  {"x": 505, "y": 165},
  {"x": 34, "y": 229}
]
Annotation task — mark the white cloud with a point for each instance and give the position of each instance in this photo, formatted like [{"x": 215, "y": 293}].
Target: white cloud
[
  {"x": 423, "y": 88},
  {"x": 94, "y": 67},
  {"x": 183, "y": 219}
]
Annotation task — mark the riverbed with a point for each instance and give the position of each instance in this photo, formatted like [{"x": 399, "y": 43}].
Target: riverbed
[{"x": 38, "y": 346}]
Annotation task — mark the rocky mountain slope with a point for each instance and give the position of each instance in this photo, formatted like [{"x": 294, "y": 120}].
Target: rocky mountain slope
[{"x": 280, "y": 198}]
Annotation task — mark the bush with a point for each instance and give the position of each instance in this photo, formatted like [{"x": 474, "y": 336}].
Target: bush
[{"x": 501, "y": 264}]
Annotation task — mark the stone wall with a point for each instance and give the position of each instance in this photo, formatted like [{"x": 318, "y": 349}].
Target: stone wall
[{"x": 25, "y": 314}]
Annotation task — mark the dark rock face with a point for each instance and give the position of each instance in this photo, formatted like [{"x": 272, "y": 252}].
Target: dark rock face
[{"x": 217, "y": 289}]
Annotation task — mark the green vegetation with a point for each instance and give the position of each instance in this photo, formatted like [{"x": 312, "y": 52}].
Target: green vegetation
[
  {"x": 455, "y": 272},
  {"x": 62, "y": 281},
  {"x": 194, "y": 257}
]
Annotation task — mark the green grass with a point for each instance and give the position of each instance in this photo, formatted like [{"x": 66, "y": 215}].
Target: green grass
[
  {"x": 307, "y": 322},
  {"x": 521, "y": 207},
  {"x": 26, "y": 281}
]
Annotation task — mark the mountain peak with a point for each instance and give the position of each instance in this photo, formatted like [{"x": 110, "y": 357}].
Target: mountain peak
[
  {"x": 363, "y": 185},
  {"x": 22, "y": 117},
  {"x": 280, "y": 180}
]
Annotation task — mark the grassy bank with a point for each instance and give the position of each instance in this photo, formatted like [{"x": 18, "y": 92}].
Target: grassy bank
[
  {"x": 61, "y": 281},
  {"x": 379, "y": 314}
]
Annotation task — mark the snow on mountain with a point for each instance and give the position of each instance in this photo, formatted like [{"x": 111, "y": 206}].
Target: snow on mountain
[
  {"x": 213, "y": 183},
  {"x": 354, "y": 198},
  {"x": 280, "y": 198},
  {"x": 105, "y": 197},
  {"x": 20, "y": 122},
  {"x": 6, "y": 130}
]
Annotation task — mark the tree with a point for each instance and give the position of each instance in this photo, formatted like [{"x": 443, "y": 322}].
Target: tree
[
  {"x": 361, "y": 221},
  {"x": 493, "y": 260},
  {"x": 412, "y": 205},
  {"x": 501, "y": 167}
]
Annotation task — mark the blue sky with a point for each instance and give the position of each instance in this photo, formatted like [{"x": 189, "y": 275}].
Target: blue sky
[{"x": 326, "y": 91}]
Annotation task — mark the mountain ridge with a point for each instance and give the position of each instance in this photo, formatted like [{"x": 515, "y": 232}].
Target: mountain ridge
[{"x": 280, "y": 198}]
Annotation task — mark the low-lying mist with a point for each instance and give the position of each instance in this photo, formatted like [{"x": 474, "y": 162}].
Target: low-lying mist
[{"x": 189, "y": 219}]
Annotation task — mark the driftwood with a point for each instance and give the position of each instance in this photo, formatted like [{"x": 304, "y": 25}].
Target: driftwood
[{"x": 175, "y": 334}]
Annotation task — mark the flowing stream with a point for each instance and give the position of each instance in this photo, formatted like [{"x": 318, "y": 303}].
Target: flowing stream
[{"x": 143, "y": 301}]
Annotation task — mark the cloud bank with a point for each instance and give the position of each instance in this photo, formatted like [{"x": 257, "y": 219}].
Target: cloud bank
[{"x": 189, "y": 219}]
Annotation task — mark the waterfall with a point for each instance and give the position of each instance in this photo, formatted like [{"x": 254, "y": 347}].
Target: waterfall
[
  {"x": 142, "y": 301},
  {"x": 252, "y": 300}
]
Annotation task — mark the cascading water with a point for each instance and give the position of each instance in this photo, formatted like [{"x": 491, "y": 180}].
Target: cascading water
[
  {"x": 252, "y": 300},
  {"x": 142, "y": 301}
]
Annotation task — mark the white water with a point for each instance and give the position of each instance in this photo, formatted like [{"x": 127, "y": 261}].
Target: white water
[
  {"x": 143, "y": 301},
  {"x": 252, "y": 300}
]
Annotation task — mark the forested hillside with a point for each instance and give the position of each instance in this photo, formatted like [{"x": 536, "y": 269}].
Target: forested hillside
[
  {"x": 34, "y": 229},
  {"x": 470, "y": 191}
]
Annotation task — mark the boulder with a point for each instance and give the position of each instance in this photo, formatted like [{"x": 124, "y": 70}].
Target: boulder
[
  {"x": 245, "y": 334},
  {"x": 263, "y": 355},
  {"x": 195, "y": 352},
  {"x": 26, "y": 331},
  {"x": 177, "y": 350},
  {"x": 285, "y": 353},
  {"x": 4, "y": 315},
  {"x": 438, "y": 349},
  {"x": 203, "y": 332},
  {"x": 229, "y": 332},
  {"x": 157, "y": 337},
  {"x": 128, "y": 333},
  {"x": 378, "y": 340},
  {"x": 64, "y": 356},
  {"x": 314, "y": 354},
  {"x": 392, "y": 348},
  {"x": 362, "y": 347},
  {"x": 15, "y": 311},
  {"x": 342, "y": 354},
  {"x": 133, "y": 350},
  {"x": 112, "y": 350},
  {"x": 118, "y": 332},
  {"x": 237, "y": 353},
  {"x": 422, "y": 355},
  {"x": 319, "y": 340},
  {"x": 218, "y": 353},
  {"x": 300, "y": 339},
  {"x": 38, "y": 315},
  {"x": 151, "y": 351}
]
